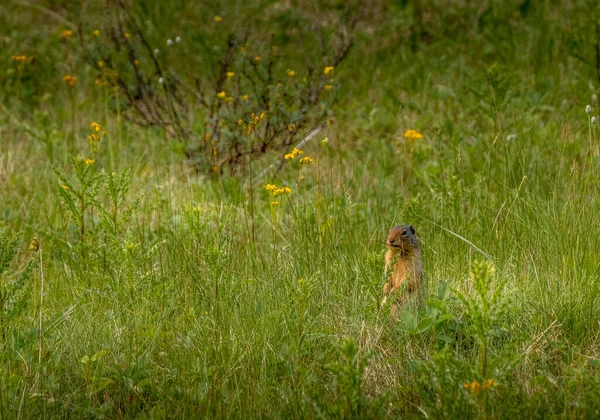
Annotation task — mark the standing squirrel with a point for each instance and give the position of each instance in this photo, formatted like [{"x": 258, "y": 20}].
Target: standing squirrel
[{"x": 407, "y": 272}]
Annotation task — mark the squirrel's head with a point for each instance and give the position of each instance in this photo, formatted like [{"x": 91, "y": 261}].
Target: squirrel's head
[{"x": 403, "y": 239}]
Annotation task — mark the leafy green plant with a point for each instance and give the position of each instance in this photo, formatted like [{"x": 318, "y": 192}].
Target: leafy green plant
[
  {"x": 485, "y": 306},
  {"x": 351, "y": 401},
  {"x": 433, "y": 315},
  {"x": 14, "y": 288}
]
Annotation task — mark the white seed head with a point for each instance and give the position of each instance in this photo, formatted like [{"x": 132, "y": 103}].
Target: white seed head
[
  {"x": 178, "y": 39},
  {"x": 156, "y": 52},
  {"x": 511, "y": 137},
  {"x": 169, "y": 42},
  {"x": 594, "y": 120},
  {"x": 161, "y": 80},
  {"x": 588, "y": 109}
]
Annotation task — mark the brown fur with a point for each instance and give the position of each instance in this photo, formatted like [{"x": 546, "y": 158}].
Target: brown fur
[{"x": 408, "y": 269}]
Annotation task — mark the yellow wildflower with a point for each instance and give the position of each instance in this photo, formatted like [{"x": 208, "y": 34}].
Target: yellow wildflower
[
  {"x": 270, "y": 187},
  {"x": 297, "y": 151},
  {"x": 240, "y": 121},
  {"x": 257, "y": 58},
  {"x": 291, "y": 127},
  {"x": 64, "y": 187},
  {"x": 70, "y": 80},
  {"x": 274, "y": 203},
  {"x": 489, "y": 383},
  {"x": 244, "y": 97},
  {"x": 221, "y": 94},
  {"x": 100, "y": 63},
  {"x": 218, "y": 19},
  {"x": 95, "y": 126},
  {"x": 324, "y": 141},
  {"x": 66, "y": 34},
  {"x": 306, "y": 159},
  {"x": 263, "y": 115},
  {"x": 328, "y": 87},
  {"x": 19, "y": 58},
  {"x": 89, "y": 161},
  {"x": 230, "y": 74},
  {"x": 291, "y": 73},
  {"x": 289, "y": 156},
  {"x": 96, "y": 32},
  {"x": 328, "y": 70},
  {"x": 282, "y": 190},
  {"x": 34, "y": 245},
  {"x": 127, "y": 35},
  {"x": 413, "y": 135},
  {"x": 476, "y": 387},
  {"x": 207, "y": 137}
]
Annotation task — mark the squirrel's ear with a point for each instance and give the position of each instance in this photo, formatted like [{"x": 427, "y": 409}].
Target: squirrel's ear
[{"x": 412, "y": 229}]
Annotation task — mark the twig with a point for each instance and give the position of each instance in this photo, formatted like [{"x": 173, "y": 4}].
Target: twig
[
  {"x": 303, "y": 142},
  {"x": 47, "y": 12}
]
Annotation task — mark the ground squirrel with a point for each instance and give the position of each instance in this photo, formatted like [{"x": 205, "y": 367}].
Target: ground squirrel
[{"x": 403, "y": 247}]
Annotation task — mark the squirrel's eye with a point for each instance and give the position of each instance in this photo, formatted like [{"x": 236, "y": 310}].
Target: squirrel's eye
[{"x": 404, "y": 233}]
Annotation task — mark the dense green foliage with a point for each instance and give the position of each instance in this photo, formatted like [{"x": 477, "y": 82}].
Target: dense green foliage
[{"x": 158, "y": 288}]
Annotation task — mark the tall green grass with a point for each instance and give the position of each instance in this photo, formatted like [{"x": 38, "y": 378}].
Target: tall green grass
[{"x": 205, "y": 299}]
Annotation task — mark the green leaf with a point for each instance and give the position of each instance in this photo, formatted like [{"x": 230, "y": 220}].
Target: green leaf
[
  {"x": 442, "y": 286},
  {"x": 409, "y": 320},
  {"x": 98, "y": 355},
  {"x": 100, "y": 383},
  {"x": 424, "y": 325}
]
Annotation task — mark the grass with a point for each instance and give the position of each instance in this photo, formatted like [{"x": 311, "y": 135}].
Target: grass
[{"x": 189, "y": 296}]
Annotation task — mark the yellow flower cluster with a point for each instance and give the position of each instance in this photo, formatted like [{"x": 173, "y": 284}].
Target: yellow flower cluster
[
  {"x": 89, "y": 161},
  {"x": 413, "y": 135},
  {"x": 295, "y": 152},
  {"x": 328, "y": 87},
  {"x": 221, "y": 94},
  {"x": 96, "y": 32},
  {"x": 475, "y": 387},
  {"x": 19, "y": 58},
  {"x": 291, "y": 73},
  {"x": 66, "y": 34},
  {"x": 328, "y": 71},
  {"x": 306, "y": 159},
  {"x": 218, "y": 19},
  {"x": 230, "y": 74},
  {"x": 274, "y": 190},
  {"x": 254, "y": 121},
  {"x": 70, "y": 80},
  {"x": 95, "y": 139}
]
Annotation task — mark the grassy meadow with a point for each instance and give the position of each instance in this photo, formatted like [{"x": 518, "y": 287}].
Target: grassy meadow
[{"x": 164, "y": 252}]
